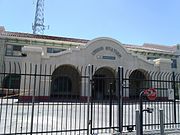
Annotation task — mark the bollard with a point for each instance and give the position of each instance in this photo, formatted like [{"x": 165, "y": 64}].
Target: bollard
[{"x": 161, "y": 121}]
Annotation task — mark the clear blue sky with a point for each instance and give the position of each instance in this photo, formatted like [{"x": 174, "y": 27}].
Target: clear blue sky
[{"x": 129, "y": 21}]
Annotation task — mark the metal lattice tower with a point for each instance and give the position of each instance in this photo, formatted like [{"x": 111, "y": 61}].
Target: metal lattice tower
[{"x": 38, "y": 26}]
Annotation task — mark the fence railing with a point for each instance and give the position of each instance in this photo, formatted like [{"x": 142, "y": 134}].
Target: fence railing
[
  {"x": 167, "y": 87},
  {"x": 42, "y": 99}
]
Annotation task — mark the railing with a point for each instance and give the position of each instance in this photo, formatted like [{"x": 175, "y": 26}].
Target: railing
[
  {"x": 166, "y": 85},
  {"x": 42, "y": 99}
]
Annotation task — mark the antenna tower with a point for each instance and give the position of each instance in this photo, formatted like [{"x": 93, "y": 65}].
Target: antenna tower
[{"x": 38, "y": 26}]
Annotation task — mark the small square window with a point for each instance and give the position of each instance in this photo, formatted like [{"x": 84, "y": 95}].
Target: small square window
[
  {"x": 17, "y": 48},
  {"x": 13, "y": 50}
]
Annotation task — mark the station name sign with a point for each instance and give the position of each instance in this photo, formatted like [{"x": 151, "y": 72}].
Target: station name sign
[{"x": 107, "y": 48}]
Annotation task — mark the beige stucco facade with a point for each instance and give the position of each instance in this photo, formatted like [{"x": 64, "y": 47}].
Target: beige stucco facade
[
  {"x": 99, "y": 52},
  {"x": 60, "y": 59},
  {"x": 103, "y": 53}
]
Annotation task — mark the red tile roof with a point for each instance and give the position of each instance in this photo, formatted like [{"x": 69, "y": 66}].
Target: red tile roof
[
  {"x": 160, "y": 47},
  {"x": 27, "y": 35},
  {"x": 146, "y": 46},
  {"x": 152, "y": 48}
]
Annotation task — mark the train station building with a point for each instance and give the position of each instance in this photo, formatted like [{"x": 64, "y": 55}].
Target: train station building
[{"x": 65, "y": 60}]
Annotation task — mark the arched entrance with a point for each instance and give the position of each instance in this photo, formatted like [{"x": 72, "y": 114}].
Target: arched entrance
[
  {"x": 102, "y": 78},
  {"x": 137, "y": 83},
  {"x": 12, "y": 81},
  {"x": 11, "y": 84},
  {"x": 65, "y": 82}
]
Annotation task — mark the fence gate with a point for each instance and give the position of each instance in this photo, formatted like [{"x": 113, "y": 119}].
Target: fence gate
[
  {"x": 45, "y": 99},
  {"x": 106, "y": 101}
]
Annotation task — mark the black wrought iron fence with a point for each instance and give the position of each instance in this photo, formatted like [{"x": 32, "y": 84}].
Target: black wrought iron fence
[
  {"x": 167, "y": 86},
  {"x": 104, "y": 105},
  {"x": 38, "y": 99},
  {"x": 50, "y": 99}
]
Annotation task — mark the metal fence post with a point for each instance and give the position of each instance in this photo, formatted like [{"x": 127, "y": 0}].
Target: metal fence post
[
  {"x": 88, "y": 97},
  {"x": 120, "y": 99},
  {"x": 174, "y": 87},
  {"x": 33, "y": 99},
  {"x": 141, "y": 112},
  {"x": 161, "y": 121},
  {"x": 110, "y": 105},
  {"x": 137, "y": 123}
]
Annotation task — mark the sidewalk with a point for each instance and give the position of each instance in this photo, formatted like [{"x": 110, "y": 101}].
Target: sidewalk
[{"x": 156, "y": 132}]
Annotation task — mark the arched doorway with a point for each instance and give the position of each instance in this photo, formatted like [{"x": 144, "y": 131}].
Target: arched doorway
[
  {"x": 12, "y": 81},
  {"x": 102, "y": 79},
  {"x": 11, "y": 84},
  {"x": 137, "y": 83},
  {"x": 65, "y": 82}
]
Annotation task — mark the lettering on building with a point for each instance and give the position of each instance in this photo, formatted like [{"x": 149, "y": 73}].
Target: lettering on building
[
  {"x": 115, "y": 51},
  {"x": 107, "y": 48},
  {"x": 97, "y": 50}
]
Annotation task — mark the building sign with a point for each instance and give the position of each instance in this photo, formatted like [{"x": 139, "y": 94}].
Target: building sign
[
  {"x": 107, "y": 48},
  {"x": 106, "y": 57}
]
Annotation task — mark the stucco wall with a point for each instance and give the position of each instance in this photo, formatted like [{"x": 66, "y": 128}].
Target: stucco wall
[{"x": 100, "y": 52}]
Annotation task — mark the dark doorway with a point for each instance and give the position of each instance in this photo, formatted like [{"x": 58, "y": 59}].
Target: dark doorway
[
  {"x": 137, "y": 83},
  {"x": 102, "y": 79},
  {"x": 62, "y": 85},
  {"x": 99, "y": 85},
  {"x": 65, "y": 82},
  {"x": 12, "y": 81}
]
